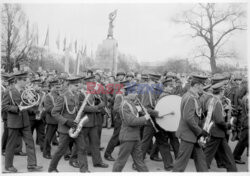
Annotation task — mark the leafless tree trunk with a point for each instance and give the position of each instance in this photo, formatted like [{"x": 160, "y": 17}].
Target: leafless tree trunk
[
  {"x": 213, "y": 26},
  {"x": 14, "y": 46}
]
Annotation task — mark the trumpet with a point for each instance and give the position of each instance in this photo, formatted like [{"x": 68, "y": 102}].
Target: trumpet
[
  {"x": 30, "y": 97},
  {"x": 146, "y": 114}
]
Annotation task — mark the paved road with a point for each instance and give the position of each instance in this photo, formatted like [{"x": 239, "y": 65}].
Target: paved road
[{"x": 21, "y": 162}]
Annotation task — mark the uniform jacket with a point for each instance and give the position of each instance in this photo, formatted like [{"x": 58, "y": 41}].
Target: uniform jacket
[
  {"x": 219, "y": 130},
  {"x": 118, "y": 101},
  {"x": 15, "y": 118},
  {"x": 60, "y": 112},
  {"x": 32, "y": 112},
  {"x": 148, "y": 100},
  {"x": 190, "y": 123},
  {"x": 91, "y": 111},
  {"x": 130, "y": 128},
  {"x": 245, "y": 111},
  {"x": 48, "y": 106}
]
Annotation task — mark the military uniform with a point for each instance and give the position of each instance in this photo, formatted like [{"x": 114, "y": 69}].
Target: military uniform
[
  {"x": 130, "y": 138},
  {"x": 65, "y": 111},
  {"x": 218, "y": 142},
  {"x": 51, "y": 122},
  {"x": 19, "y": 146},
  {"x": 17, "y": 123},
  {"x": 244, "y": 140},
  {"x": 148, "y": 100},
  {"x": 189, "y": 131},
  {"x": 114, "y": 140},
  {"x": 90, "y": 130},
  {"x": 37, "y": 124}
]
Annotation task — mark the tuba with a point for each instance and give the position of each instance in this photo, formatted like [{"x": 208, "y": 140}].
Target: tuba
[
  {"x": 30, "y": 97},
  {"x": 74, "y": 132}
]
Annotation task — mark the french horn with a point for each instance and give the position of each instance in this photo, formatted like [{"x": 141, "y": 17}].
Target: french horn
[{"x": 30, "y": 97}]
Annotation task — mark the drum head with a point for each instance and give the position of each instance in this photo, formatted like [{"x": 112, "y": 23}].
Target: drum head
[{"x": 165, "y": 106}]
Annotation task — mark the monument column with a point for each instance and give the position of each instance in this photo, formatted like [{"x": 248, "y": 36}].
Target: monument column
[{"x": 107, "y": 52}]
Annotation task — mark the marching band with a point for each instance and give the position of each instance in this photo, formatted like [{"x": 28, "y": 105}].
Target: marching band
[{"x": 212, "y": 110}]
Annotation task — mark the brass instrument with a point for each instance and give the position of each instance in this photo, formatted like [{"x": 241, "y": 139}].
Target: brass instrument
[
  {"x": 30, "y": 97},
  {"x": 146, "y": 114},
  {"x": 74, "y": 132},
  {"x": 40, "y": 107},
  {"x": 208, "y": 122}
]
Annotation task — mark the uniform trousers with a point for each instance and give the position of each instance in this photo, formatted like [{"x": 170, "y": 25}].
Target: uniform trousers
[
  {"x": 91, "y": 136},
  {"x": 19, "y": 145},
  {"x": 14, "y": 134},
  {"x": 128, "y": 148},
  {"x": 242, "y": 144},
  {"x": 147, "y": 136},
  {"x": 186, "y": 151},
  {"x": 50, "y": 133},
  {"x": 114, "y": 140},
  {"x": 64, "y": 140},
  {"x": 40, "y": 131},
  {"x": 220, "y": 144}
]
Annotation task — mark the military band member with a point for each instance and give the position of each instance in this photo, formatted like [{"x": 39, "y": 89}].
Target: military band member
[
  {"x": 218, "y": 140},
  {"x": 244, "y": 140},
  {"x": 51, "y": 122},
  {"x": 18, "y": 150},
  {"x": 130, "y": 135},
  {"x": 163, "y": 142},
  {"x": 18, "y": 123},
  {"x": 36, "y": 123},
  {"x": 114, "y": 141},
  {"x": 90, "y": 129},
  {"x": 65, "y": 111},
  {"x": 189, "y": 130}
]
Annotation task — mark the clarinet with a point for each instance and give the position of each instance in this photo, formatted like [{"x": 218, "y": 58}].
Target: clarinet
[{"x": 146, "y": 112}]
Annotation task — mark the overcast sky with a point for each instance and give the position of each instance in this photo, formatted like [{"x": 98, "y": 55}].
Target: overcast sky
[{"x": 143, "y": 30}]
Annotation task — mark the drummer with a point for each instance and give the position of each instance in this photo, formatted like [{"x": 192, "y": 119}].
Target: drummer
[
  {"x": 163, "y": 136},
  {"x": 169, "y": 90}
]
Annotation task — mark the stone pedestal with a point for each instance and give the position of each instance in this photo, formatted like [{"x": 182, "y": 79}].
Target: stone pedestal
[{"x": 106, "y": 55}]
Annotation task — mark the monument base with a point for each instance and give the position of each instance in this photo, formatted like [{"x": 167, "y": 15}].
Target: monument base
[{"x": 106, "y": 56}]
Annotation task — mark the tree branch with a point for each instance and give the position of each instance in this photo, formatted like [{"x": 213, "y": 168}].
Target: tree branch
[{"x": 227, "y": 32}]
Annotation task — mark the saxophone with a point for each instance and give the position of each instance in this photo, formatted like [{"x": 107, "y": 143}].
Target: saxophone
[{"x": 74, "y": 132}]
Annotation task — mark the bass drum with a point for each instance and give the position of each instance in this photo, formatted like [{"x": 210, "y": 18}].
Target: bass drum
[{"x": 169, "y": 109}]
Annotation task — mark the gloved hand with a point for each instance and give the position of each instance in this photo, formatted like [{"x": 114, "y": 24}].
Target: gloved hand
[
  {"x": 153, "y": 113},
  {"x": 147, "y": 117},
  {"x": 203, "y": 133},
  {"x": 141, "y": 113},
  {"x": 71, "y": 124}
]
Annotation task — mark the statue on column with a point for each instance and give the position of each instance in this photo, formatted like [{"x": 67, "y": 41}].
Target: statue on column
[{"x": 112, "y": 17}]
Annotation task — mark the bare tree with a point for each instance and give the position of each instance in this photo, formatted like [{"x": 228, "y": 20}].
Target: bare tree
[
  {"x": 213, "y": 25},
  {"x": 15, "y": 38}
]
